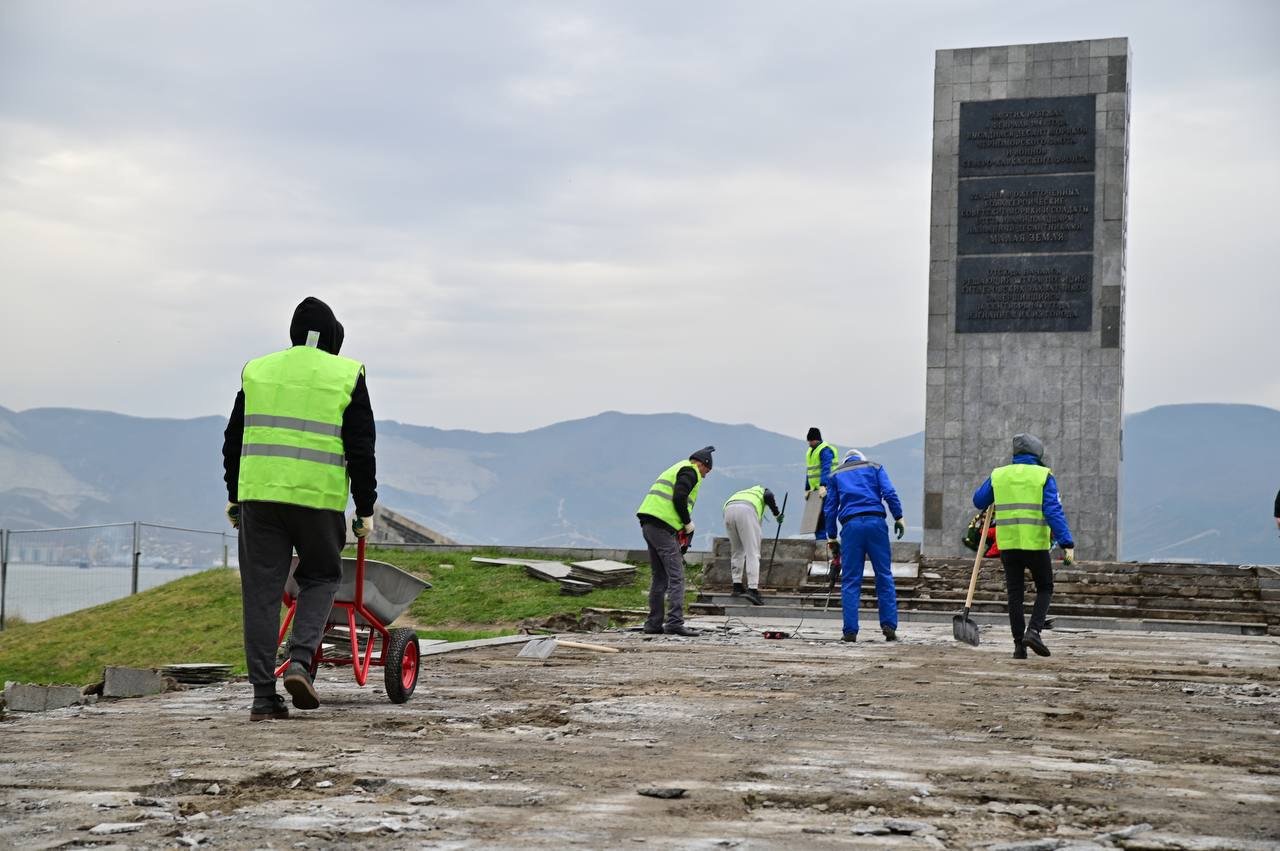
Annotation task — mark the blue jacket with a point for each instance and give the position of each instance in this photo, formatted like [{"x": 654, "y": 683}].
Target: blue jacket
[
  {"x": 858, "y": 487},
  {"x": 1052, "y": 507}
]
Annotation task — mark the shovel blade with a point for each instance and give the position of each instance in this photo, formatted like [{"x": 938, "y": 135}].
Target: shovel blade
[
  {"x": 537, "y": 648},
  {"x": 965, "y": 629}
]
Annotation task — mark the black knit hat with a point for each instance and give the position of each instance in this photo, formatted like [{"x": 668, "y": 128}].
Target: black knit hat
[
  {"x": 813, "y": 434},
  {"x": 313, "y": 315},
  {"x": 703, "y": 456}
]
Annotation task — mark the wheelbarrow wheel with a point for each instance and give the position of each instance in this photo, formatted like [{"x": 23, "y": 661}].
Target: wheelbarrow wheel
[{"x": 401, "y": 669}]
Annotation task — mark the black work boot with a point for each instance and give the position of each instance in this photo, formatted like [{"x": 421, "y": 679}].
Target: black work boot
[
  {"x": 753, "y": 597},
  {"x": 1019, "y": 649},
  {"x": 268, "y": 708},
  {"x": 297, "y": 681},
  {"x": 849, "y": 637},
  {"x": 681, "y": 630},
  {"x": 1032, "y": 640},
  {"x": 890, "y": 634},
  {"x": 738, "y": 589}
]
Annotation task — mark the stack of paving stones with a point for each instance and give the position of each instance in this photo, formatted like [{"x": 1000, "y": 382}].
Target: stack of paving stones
[
  {"x": 603, "y": 573},
  {"x": 197, "y": 673}
]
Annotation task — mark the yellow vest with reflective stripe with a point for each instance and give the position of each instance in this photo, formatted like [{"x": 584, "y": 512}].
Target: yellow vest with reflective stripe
[
  {"x": 751, "y": 496},
  {"x": 1019, "y": 517},
  {"x": 814, "y": 459},
  {"x": 658, "y": 501},
  {"x": 292, "y": 448}
]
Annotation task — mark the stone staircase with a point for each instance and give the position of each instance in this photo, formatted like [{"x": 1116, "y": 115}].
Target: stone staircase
[{"x": 1219, "y": 598}]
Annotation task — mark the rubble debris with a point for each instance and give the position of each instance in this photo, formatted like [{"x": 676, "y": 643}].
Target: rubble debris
[
  {"x": 586, "y": 621},
  {"x": 662, "y": 792},
  {"x": 112, "y": 828}
]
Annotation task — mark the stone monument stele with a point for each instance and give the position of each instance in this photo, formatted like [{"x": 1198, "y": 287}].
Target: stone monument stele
[{"x": 1026, "y": 278}]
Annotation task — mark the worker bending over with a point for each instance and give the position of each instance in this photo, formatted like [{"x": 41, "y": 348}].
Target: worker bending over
[
  {"x": 743, "y": 514},
  {"x": 856, "y": 496}
]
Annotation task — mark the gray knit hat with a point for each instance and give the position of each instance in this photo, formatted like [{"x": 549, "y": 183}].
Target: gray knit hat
[{"x": 1028, "y": 444}]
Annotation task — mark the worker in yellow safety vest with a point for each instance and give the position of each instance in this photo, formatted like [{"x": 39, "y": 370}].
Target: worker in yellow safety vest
[
  {"x": 299, "y": 442},
  {"x": 743, "y": 514},
  {"x": 819, "y": 461},
  {"x": 1028, "y": 518},
  {"x": 666, "y": 518}
]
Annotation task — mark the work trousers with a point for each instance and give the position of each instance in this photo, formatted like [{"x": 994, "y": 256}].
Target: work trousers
[
  {"x": 1016, "y": 563},
  {"x": 666, "y": 584},
  {"x": 863, "y": 538},
  {"x": 742, "y": 523},
  {"x": 269, "y": 533}
]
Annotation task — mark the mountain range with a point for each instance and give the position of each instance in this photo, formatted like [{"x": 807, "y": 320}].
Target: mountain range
[{"x": 1198, "y": 480}]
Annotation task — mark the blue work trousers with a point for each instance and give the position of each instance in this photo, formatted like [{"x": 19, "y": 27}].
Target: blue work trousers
[{"x": 862, "y": 538}]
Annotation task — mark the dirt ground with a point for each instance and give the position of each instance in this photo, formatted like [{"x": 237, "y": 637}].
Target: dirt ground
[{"x": 1120, "y": 740}]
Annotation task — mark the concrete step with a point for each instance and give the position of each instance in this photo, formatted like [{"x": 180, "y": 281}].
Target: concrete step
[{"x": 987, "y": 619}]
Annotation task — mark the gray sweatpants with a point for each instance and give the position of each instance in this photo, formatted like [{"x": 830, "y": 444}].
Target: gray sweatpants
[
  {"x": 667, "y": 583},
  {"x": 269, "y": 533},
  {"x": 743, "y": 525}
]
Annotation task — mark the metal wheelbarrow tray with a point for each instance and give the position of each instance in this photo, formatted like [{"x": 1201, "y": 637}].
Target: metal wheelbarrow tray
[{"x": 371, "y": 595}]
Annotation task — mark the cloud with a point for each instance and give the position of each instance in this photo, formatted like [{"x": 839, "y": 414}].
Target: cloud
[{"x": 527, "y": 212}]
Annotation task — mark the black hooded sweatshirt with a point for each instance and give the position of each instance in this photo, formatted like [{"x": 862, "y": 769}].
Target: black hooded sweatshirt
[{"x": 358, "y": 433}]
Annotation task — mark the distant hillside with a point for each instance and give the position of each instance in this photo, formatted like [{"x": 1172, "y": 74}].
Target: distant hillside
[
  {"x": 579, "y": 482},
  {"x": 1200, "y": 483}
]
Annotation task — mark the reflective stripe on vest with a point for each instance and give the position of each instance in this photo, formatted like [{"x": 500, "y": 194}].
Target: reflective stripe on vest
[
  {"x": 814, "y": 459},
  {"x": 659, "y": 501},
  {"x": 753, "y": 497},
  {"x": 1019, "y": 507},
  {"x": 292, "y": 449}
]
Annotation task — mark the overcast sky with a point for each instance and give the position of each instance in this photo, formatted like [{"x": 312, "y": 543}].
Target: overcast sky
[{"x": 531, "y": 212}]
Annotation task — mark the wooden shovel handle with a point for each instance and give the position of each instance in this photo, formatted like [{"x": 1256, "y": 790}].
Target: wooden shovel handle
[
  {"x": 582, "y": 645},
  {"x": 977, "y": 559}
]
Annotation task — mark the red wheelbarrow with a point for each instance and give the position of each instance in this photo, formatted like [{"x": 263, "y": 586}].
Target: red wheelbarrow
[{"x": 371, "y": 595}]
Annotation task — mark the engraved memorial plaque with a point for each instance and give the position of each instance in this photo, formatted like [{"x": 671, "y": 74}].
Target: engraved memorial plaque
[
  {"x": 1017, "y": 215},
  {"x": 1027, "y": 136},
  {"x": 1029, "y": 293}
]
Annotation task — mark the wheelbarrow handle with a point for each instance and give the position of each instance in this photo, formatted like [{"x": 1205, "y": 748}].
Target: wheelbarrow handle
[{"x": 359, "y": 573}]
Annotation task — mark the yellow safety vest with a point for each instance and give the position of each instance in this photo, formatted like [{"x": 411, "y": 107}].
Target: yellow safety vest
[
  {"x": 751, "y": 496},
  {"x": 658, "y": 502},
  {"x": 814, "y": 459},
  {"x": 1019, "y": 500},
  {"x": 292, "y": 449}
]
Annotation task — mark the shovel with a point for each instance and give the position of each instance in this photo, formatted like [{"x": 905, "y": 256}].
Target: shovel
[{"x": 962, "y": 626}]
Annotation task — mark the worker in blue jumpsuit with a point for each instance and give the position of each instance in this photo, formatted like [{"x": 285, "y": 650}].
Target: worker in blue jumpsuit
[{"x": 856, "y": 496}]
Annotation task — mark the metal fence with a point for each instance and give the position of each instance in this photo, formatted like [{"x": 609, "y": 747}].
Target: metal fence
[{"x": 50, "y": 572}]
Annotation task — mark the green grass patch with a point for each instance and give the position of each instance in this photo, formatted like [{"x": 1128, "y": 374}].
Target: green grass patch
[
  {"x": 467, "y": 593},
  {"x": 193, "y": 619},
  {"x": 198, "y": 618}
]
